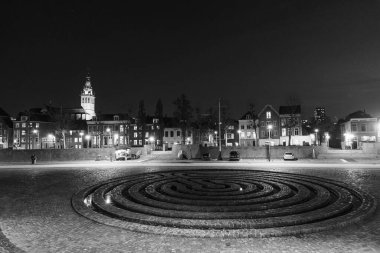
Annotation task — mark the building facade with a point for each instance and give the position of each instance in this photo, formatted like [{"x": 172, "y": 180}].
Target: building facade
[
  {"x": 174, "y": 135},
  {"x": 248, "y": 130},
  {"x": 291, "y": 126},
  {"x": 269, "y": 122},
  {"x": 34, "y": 129},
  {"x": 356, "y": 131},
  {"x": 6, "y": 130}
]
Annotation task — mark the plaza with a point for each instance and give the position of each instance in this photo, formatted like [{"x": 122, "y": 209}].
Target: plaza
[{"x": 37, "y": 214}]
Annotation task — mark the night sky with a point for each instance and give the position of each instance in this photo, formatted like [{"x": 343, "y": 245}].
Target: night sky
[{"x": 326, "y": 53}]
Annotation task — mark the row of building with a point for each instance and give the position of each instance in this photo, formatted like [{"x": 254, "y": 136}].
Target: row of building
[{"x": 62, "y": 128}]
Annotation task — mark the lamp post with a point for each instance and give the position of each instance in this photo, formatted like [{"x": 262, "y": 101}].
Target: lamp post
[
  {"x": 327, "y": 136},
  {"x": 220, "y": 138},
  {"x": 35, "y": 132},
  {"x": 316, "y": 136},
  {"x": 116, "y": 139},
  {"x": 87, "y": 137},
  {"x": 151, "y": 140},
  {"x": 269, "y": 129},
  {"x": 239, "y": 131},
  {"x": 109, "y": 133}
]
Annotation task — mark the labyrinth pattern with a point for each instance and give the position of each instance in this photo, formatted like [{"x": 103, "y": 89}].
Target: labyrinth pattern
[{"x": 224, "y": 203}]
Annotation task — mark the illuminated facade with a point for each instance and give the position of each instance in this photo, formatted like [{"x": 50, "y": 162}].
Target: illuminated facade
[{"x": 357, "y": 131}]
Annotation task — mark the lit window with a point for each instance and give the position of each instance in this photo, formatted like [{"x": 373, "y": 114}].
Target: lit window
[
  {"x": 37, "y": 125},
  {"x": 75, "y": 139},
  {"x": 135, "y": 142},
  {"x": 283, "y": 131},
  {"x": 80, "y": 139},
  {"x": 23, "y": 125},
  {"x": 135, "y": 135},
  {"x": 121, "y": 128},
  {"x": 134, "y": 127},
  {"x": 269, "y": 115},
  {"x": 140, "y": 142},
  {"x": 23, "y": 132},
  {"x": 248, "y": 134},
  {"x": 146, "y": 135}
]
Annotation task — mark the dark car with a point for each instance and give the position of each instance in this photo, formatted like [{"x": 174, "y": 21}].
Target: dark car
[
  {"x": 234, "y": 156},
  {"x": 206, "y": 157}
]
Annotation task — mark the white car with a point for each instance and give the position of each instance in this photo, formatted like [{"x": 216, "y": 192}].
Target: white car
[{"x": 289, "y": 156}]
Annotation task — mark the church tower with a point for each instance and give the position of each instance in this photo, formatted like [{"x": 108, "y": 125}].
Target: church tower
[{"x": 88, "y": 99}]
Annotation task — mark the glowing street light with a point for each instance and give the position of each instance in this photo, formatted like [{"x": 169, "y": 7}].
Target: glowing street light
[
  {"x": 327, "y": 136},
  {"x": 269, "y": 129},
  {"x": 108, "y": 130},
  {"x": 87, "y": 137},
  {"x": 316, "y": 136}
]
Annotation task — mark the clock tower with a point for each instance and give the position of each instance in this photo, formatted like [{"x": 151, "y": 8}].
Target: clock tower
[{"x": 88, "y": 99}]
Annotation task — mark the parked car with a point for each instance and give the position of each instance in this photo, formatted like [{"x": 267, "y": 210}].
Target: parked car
[
  {"x": 234, "y": 156},
  {"x": 289, "y": 156},
  {"x": 122, "y": 154},
  {"x": 206, "y": 156}
]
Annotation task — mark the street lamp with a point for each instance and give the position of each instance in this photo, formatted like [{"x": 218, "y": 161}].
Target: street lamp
[
  {"x": 316, "y": 136},
  {"x": 327, "y": 136},
  {"x": 35, "y": 132},
  {"x": 151, "y": 140},
  {"x": 109, "y": 133},
  {"x": 239, "y": 131},
  {"x": 116, "y": 138},
  {"x": 88, "y": 140},
  {"x": 269, "y": 129}
]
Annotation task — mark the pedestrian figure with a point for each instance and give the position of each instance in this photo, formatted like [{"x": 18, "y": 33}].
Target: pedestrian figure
[{"x": 34, "y": 159}]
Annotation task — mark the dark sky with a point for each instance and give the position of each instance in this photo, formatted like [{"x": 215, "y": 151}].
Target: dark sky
[{"x": 326, "y": 53}]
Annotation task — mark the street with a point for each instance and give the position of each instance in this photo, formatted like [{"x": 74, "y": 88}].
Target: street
[{"x": 37, "y": 216}]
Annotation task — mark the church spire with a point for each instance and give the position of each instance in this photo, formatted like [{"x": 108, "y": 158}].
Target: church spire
[{"x": 88, "y": 81}]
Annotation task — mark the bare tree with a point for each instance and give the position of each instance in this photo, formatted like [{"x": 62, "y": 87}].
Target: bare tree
[
  {"x": 254, "y": 122},
  {"x": 183, "y": 114}
]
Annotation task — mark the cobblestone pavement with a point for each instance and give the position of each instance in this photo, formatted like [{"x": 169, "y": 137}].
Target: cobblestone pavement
[{"x": 36, "y": 213}]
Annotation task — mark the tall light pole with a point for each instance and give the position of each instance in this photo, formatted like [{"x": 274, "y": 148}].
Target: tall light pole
[
  {"x": 109, "y": 135},
  {"x": 35, "y": 132},
  {"x": 88, "y": 140},
  {"x": 327, "y": 136},
  {"x": 316, "y": 136},
  {"x": 269, "y": 129},
  {"x": 239, "y": 131},
  {"x": 220, "y": 139}
]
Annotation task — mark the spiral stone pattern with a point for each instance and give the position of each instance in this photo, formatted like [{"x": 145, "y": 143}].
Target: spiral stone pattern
[{"x": 224, "y": 203}]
